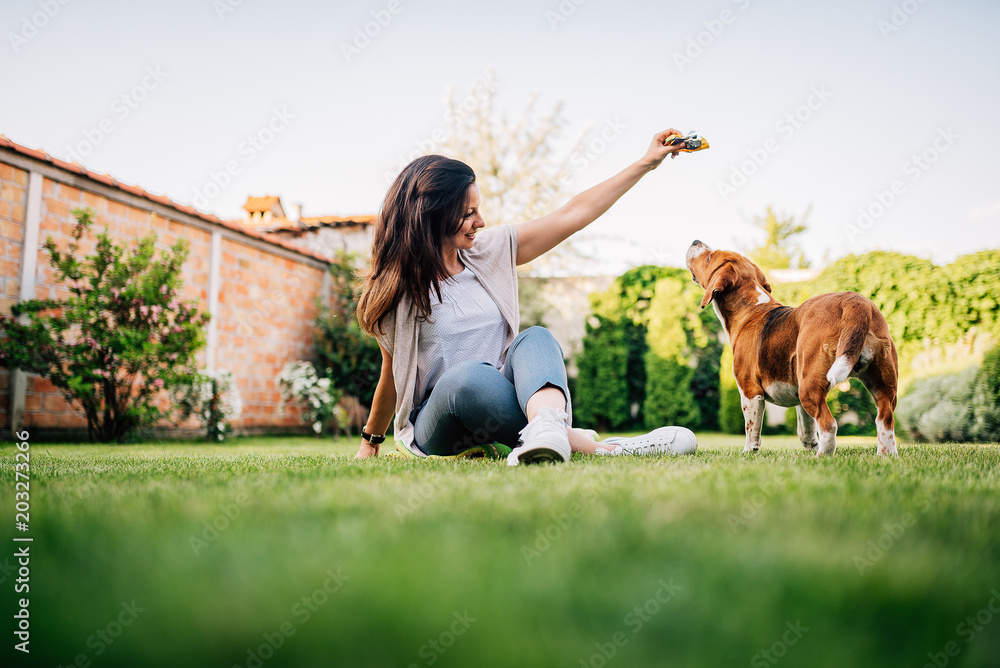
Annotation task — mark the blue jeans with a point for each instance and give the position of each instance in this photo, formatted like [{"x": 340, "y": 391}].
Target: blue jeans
[{"x": 473, "y": 403}]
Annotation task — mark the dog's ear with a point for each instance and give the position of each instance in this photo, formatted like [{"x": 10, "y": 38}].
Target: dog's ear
[
  {"x": 722, "y": 279},
  {"x": 761, "y": 278}
]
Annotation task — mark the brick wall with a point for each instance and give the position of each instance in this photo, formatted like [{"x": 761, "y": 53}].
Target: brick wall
[
  {"x": 13, "y": 193},
  {"x": 266, "y": 299}
]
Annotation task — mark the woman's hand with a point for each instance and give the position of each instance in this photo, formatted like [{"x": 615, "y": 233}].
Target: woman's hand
[
  {"x": 658, "y": 149},
  {"x": 366, "y": 450}
]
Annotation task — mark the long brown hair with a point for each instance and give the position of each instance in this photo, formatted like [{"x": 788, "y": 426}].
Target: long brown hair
[{"x": 425, "y": 204}]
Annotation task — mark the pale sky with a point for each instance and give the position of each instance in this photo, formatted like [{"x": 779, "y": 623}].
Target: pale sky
[{"x": 830, "y": 104}]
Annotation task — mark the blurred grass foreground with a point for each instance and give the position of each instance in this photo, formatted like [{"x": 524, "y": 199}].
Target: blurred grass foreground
[{"x": 287, "y": 552}]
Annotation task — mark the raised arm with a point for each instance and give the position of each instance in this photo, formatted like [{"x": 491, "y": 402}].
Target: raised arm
[
  {"x": 383, "y": 406},
  {"x": 543, "y": 234}
]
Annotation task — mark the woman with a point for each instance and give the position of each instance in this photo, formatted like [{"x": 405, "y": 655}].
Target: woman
[{"x": 441, "y": 299}]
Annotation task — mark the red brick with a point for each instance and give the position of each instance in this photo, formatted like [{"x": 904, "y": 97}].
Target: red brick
[
  {"x": 10, "y": 287},
  {"x": 71, "y": 420},
  {"x": 4, "y": 380},
  {"x": 116, "y": 208},
  {"x": 57, "y": 208},
  {"x": 95, "y": 202},
  {"x": 20, "y": 177},
  {"x": 17, "y": 213},
  {"x": 69, "y": 193},
  {"x": 8, "y": 268},
  {"x": 6, "y": 172},
  {"x": 11, "y": 192},
  {"x": 55, "y": 403},
  {"x": 33, "y": 402},
  {"x": 41, "y": 420},
  {"x": 137, "y": 214},
  {"x": 5, "y": 209}
]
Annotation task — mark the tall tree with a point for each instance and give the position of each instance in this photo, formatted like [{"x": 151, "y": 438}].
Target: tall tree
[
  {"x": 779, "y": 250},
  {"x": 520, "y": 172}
]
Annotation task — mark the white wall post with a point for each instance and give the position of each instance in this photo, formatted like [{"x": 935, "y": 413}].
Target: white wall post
[
  {"x": 26, "y": 289},
  {"x": 214, "y": 283}
]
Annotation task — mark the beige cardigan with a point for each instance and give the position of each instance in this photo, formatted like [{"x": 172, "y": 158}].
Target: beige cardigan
[{"x": 493, "y": 258}]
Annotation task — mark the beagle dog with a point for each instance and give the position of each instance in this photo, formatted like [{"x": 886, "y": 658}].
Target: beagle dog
[{"x": 793, "y": 356}]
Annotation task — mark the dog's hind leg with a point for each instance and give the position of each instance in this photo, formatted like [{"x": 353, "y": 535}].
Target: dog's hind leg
[
  {"x": 881, "y": 383},
  {"x": 806, "y": 429},
  {"x": 812, "y": 393}
]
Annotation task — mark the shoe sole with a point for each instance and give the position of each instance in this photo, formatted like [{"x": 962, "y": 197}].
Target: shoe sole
[{"x": 541, "y": 456}]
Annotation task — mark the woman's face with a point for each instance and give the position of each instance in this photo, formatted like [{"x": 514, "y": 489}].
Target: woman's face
[{"x": 472, "y": 222}]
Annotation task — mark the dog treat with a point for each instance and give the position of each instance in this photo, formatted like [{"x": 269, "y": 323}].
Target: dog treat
[{"x": 692, "y": 142}]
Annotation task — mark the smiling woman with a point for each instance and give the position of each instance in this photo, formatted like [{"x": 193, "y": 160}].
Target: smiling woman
[{"x": 441, "y": 299}]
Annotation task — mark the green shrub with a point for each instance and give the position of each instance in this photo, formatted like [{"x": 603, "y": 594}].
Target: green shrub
[
  {"x": 601, "y": 399},
  {"x": 730, "y": 406},
  {"x": 854, "y": 400},
  {"x": 347, "y": 356},
  {"x": 121, "y": 338},
  {"x": 986, "y": 398},
  {"x": 939, "y": 408},
  {"x": 669, "y": 400}
]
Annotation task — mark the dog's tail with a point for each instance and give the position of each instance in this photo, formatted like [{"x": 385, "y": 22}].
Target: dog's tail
[{"x": 855, "y": 322}]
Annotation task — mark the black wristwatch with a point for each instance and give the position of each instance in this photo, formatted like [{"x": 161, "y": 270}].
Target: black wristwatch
[{"x": 374, "y": 440}]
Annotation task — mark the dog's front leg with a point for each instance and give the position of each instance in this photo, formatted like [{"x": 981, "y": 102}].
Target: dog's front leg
[{"x": 753, "y": 418}]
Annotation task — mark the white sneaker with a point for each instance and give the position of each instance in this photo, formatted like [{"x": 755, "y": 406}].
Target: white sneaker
[
  {"x": 662, "y": 441},
  {"x": 543, "y": 440}
]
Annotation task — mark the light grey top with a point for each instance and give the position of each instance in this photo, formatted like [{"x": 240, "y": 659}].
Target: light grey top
[
  {"x": 493, "y": 260},
  {"x": 465, "y": 324}
]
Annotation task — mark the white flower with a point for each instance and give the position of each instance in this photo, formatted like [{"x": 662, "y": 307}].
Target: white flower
[{"x": 317, "y": 427}]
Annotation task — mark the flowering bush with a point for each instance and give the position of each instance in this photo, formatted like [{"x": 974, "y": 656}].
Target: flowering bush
[
  {"x": 118, "y": 340},
  {"x": 214, "y": 399},
  {"x": 315, "y": 396}
]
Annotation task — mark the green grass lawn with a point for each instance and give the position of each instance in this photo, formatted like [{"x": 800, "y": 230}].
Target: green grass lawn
[{"x": 716, "y": 559}]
